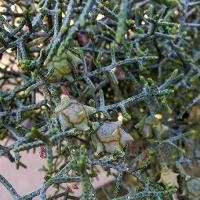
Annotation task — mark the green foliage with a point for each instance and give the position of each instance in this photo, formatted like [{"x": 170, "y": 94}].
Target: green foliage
[{"x": 113, "y": 84}]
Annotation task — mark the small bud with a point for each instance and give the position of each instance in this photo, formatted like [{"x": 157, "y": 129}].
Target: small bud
[
  {"x": 101, "y": 6},
  {"x": 107, "y": 4},
  {"x": 27, "y": 64}
]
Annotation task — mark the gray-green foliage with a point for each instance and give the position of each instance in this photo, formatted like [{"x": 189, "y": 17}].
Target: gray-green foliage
[{"x": 136, "y": 61}]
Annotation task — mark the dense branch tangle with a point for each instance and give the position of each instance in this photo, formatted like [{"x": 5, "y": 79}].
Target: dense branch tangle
[{"x": 128, "y": 52}]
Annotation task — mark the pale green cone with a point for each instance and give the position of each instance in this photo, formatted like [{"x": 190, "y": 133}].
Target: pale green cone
[
  {"x": 110, "y": 137},
  {"x": 73, "y": 114}
]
